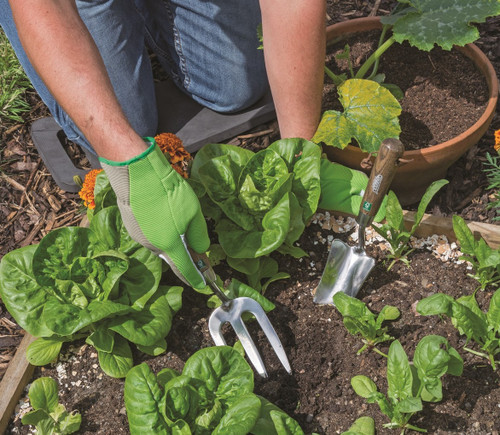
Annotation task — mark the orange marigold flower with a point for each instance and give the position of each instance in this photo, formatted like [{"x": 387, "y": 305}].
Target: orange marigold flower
[
  {"x": 87, "y": 191},
  {"x": 497, "y": 141},
  {"x": 170, "y": 144},
  {"x": 177, "y": 155}
]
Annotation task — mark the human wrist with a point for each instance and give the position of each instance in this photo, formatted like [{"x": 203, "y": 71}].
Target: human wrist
[{"x": 123, "y": 153}]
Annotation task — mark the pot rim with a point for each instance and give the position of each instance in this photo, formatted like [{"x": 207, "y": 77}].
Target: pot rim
[{"x": 472, "y": 51}]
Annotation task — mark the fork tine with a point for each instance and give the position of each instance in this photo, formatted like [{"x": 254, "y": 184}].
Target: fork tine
[
  {"x": 221, "y": 316},
  {"x": 270, "y": 332},
  {"x": 249, "y": 346}
]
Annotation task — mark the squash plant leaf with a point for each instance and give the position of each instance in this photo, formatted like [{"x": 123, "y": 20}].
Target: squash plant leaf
[
  {"x": 445, "y": 23},
  {"x": 370, "y": 115}
]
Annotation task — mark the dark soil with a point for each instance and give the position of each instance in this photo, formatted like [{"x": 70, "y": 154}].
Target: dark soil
[
  {"x": 431, "y": 82},
  {"x": 321, "y": 352}
]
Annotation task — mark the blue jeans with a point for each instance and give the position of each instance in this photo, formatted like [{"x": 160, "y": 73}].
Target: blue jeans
[{"x": 208, "y": 48}]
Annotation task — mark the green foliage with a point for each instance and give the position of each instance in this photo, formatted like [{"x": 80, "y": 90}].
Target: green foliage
[
  {"x": 212, "y": 395},
  {"x": 13, "y": 83},
  {"x": 479, "y": 327},
  {"x": 362, "y": 426},
  {"x": 370, "y": 115},
  {"x": 492, "y": 170},
  {"x": 425, "y": 24},
  {"x": 358, "y": 319},
  {"x": 237, "y": 289},
  {"x": 394, "y": 229},
  {"x": 94, "y": 283},
  {"x": 485, "y": 260},
  {"x": 260, "y": 202},
  {"x": 409, "y": 385},
  {"x": 48, "y": 415}
]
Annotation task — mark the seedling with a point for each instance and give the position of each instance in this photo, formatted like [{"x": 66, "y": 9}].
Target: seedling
[
  {"x": 410, "y": 384},
  {"x": 394, "y": 229},
  {"x": 484, "y": 260},
  {"x": 359, "y": 320},
  {"x": 48, "y": 415},
  {"x": 479, "y": 327}
]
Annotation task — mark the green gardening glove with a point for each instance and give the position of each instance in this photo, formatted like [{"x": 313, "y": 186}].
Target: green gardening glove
[
  {"x": 342, "y": 189},
  {"x": 160, "y": 210}
]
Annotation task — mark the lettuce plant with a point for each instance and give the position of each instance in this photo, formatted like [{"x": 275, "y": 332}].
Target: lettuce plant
[
  {"x": 479, "y": 327},
  {"x": 394, "y": 229},
  {"x": 410, "y": 384},
  {"x": 375, "y": 118},
  {"x": 484, "y": 260},
  {"x": 212, "y": 395},
  {"x": 48, "y": 415},
  {"x": 94, "y": 283},
  {"x": 358, "y": 319},
  {"x": 260, "y": 202}
]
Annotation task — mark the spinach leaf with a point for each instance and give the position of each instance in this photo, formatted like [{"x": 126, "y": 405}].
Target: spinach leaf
[
  {"x": 466, "y": 315},
  {"x": 213, "y": 394},
  {"x": 409, "y": 385}
]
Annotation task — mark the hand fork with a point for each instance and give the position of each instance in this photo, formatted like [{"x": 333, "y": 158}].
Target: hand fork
[{"x": 231, "y": 311}]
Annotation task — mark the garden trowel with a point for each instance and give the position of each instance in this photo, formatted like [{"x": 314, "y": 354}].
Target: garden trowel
[{"x": 347, "y": 267}]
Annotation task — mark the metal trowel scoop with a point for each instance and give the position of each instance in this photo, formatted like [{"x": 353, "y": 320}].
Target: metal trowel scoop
[{"x": 347, "y": 267}]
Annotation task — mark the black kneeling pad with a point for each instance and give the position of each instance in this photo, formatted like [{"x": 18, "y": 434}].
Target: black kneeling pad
[{"x": 194, "y": 124}]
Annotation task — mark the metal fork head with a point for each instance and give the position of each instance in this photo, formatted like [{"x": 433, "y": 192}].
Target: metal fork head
[{"x": 231, "y": 312}]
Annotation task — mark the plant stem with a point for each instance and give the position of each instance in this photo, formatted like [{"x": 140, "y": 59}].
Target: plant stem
[
  {"x": 492, "y": 361},
  {"x": 380, "y": 352},
  {"x": 475, "y": 352},
  {"x": 418, "y": 429},
  {"x": 337, "y": 80},
  {"x": 374, "y": 57},
  {"x": 380, "y": 41}
]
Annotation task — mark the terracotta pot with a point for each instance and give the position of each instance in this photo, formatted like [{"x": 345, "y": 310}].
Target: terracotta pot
[{"x": 426, "y": 165}]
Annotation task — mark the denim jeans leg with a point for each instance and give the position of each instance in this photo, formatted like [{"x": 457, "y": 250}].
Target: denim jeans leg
[
  {"x": 210, "y": 48},
  {"x": 119, "y": 33}
]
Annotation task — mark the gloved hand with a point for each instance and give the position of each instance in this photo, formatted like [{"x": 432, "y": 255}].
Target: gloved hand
[
  {"x": 160, "y": 210},
  {"x": 342, "y": 189}
]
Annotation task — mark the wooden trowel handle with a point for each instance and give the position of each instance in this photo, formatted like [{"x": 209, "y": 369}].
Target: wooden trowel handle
[{"x": 381, "y": 177}]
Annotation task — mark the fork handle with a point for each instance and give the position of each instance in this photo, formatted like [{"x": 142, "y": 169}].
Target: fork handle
[{"x": 202, "y": 263}]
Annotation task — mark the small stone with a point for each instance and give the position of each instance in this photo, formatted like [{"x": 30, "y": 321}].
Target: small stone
[{"x": 309, "y": 418}]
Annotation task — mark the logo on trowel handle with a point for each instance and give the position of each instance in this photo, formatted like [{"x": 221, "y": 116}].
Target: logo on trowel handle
[{"x": 377, "y": 181}]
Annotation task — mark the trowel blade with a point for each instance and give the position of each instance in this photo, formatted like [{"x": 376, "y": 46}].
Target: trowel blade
[{"x": 346, "y": 270}]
